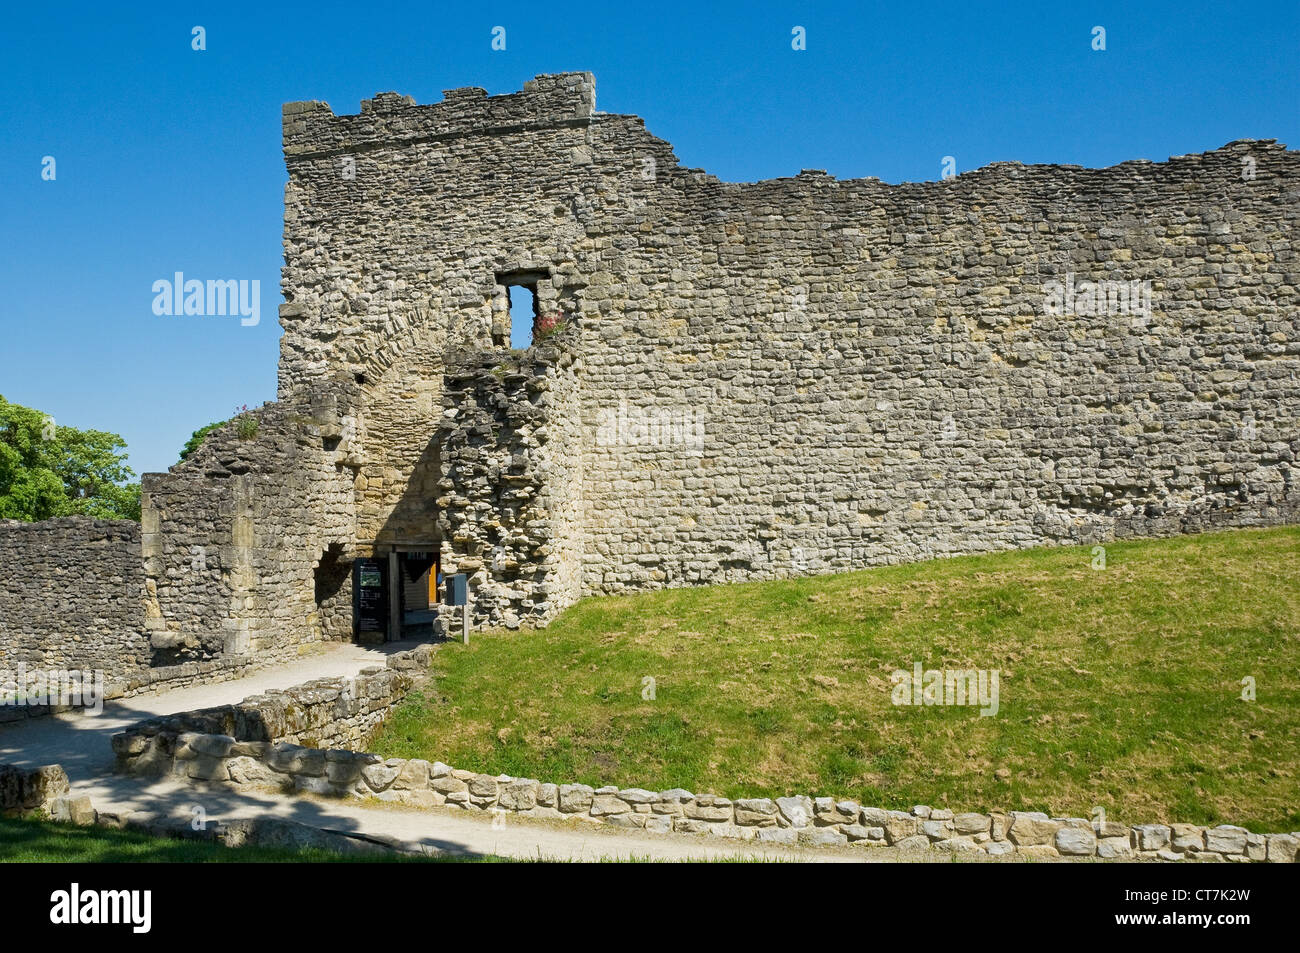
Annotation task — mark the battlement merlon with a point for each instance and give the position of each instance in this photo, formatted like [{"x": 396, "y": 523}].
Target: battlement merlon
[{"x": 311, "y": 128}]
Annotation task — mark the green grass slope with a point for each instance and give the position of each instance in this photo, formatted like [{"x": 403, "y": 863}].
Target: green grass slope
[{"x": 1120, "y": 688}]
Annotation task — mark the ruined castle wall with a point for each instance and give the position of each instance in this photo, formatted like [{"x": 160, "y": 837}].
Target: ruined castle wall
[
  {"x": 234, "y": 535},
  {"x": 71, "y": 597},
  {"x": 504, "y": 503},
  {"x": 880, "y": 382},
  {"x": 804, "y": 374},
  {"x": 379, "y": 280}
]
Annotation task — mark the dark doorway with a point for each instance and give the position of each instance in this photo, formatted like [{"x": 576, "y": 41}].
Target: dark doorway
[{"x": 419, "y": 592}]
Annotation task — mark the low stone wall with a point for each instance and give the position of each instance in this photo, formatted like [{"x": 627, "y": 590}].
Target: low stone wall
[
  {"x": 285, "y": 730},
  {"x": 30, "y": 789}
]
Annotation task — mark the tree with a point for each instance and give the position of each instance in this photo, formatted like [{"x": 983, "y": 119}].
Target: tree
[{"x": 48, "y": 470}]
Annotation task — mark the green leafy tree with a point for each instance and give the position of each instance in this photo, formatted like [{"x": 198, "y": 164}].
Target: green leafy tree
[{"x": 48, "y": 470}]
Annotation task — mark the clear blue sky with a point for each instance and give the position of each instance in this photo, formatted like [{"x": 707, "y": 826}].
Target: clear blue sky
[{"x": 169, "y": 159}]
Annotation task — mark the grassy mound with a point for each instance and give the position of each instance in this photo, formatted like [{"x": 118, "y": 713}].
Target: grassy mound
[{"x": 1120, "y": 687}]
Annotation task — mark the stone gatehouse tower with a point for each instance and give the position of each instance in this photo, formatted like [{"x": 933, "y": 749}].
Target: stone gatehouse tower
[{"x": 728, "y": 381}]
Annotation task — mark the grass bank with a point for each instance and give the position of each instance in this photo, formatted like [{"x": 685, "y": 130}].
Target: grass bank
[
  {"x": 37, "y": 841},
  {"x": 1119, "y": 687}
]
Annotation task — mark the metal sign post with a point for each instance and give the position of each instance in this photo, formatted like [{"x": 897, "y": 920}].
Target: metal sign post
[{"x": 458, "y": 595}]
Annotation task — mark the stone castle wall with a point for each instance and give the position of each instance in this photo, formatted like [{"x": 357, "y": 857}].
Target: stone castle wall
[
  {"x": 247, "y": 543},
  {"x": 276, "y": 735},
  {"x": 799, "y": 375},
  {"x": 759, "y": 380},
  {"x": 72, "y": 598}
]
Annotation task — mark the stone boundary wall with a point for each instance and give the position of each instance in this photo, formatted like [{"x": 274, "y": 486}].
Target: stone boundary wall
[
  {"x": 73, "y": 594},
  {"x": 255, "y": 746},
  {"x": 280, "y": 731},
  {"x": 47, "y": 789},
  {"x": 71, "y": 597}
]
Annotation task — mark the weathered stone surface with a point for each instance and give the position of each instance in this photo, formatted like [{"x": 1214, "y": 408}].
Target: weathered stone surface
[
  {"x": 900, "y": 827},
  {"x": 1114, "y": 847},
  {"x": 936, "y": 830},
  {"x": 875, "y": 816},
  {"x": 1152, "y": 836},
  {"x": 821, "y": 837},
  {"x": 658, "y": 823},
  {"x": 1282, "y": 848},
  {"x": 74, "y": 810},
  {"x": 1038, "y": 851},
  {"x": 575, "y": 798},
  {"x": 705, "y": 807},
  {"x": 1226, "y": 839},
  {"x": 1074, "y": 841},
  {"x": 795, "y": 811},
  {"x": 915, "y": 842},
  {"x": 204, "y": 768},
  {"x": 1028, "y": 829},
  {"x": 128, "y": 743},
  {"x": 519, "y": 795},
  {"x": 1109, "y": 829},
  {"x": 1187, "y": 837},
  {"x": 251, "y": 771},
  {"x": 297, "y": 760},
  {"x": 756, "y": 811},
  {"x": 414, "y": 776},
  {"x": 603, "y": 804},
  {"x": 626, "y": 818},
  {"x": 449, "y": 784},
  {"x": 858, "y": 832},
  {"x": 957, "y": 845},
  {"x": 971, "y": 823}
]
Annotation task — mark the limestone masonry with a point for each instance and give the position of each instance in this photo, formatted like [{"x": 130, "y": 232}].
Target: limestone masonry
[{"x": 728, "y": 381}]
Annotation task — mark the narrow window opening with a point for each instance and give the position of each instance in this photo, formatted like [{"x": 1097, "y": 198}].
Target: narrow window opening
[
  {"x": 520, "y": 296},
  {"x": 522, "y": 315}
]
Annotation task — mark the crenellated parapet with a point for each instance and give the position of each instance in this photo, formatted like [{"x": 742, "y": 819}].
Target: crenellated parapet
[{"x": 389, "y": 120}]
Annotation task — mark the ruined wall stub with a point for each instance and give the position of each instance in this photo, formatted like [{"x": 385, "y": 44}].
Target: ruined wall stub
[{"x": 235, "y": 536}]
